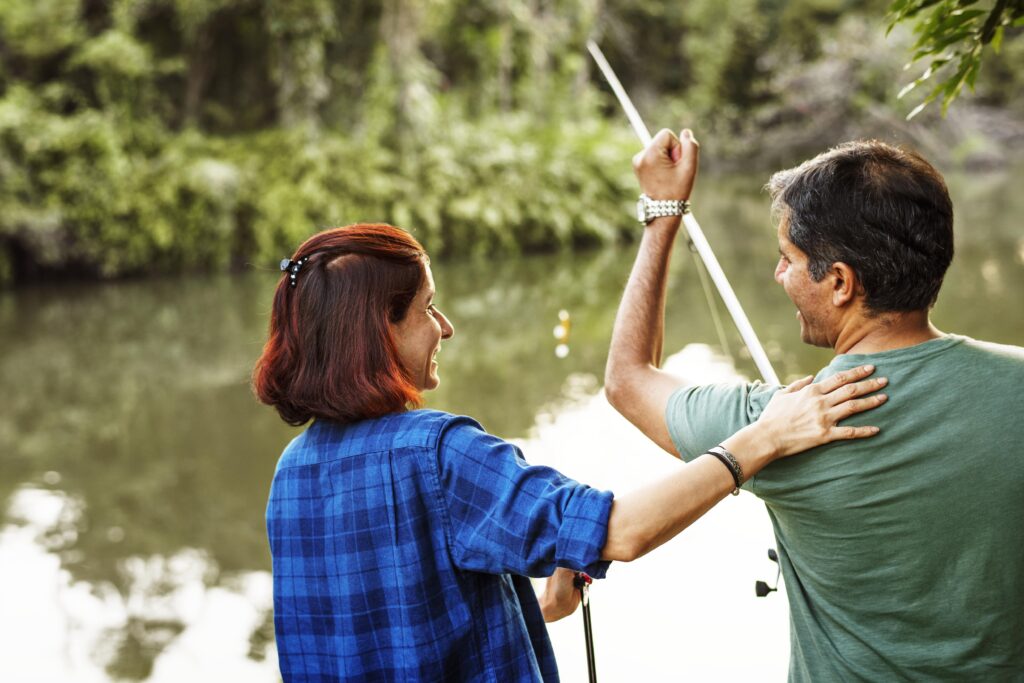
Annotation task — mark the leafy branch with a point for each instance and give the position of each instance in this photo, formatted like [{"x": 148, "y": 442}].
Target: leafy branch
[{"x": 952, "y": 35}]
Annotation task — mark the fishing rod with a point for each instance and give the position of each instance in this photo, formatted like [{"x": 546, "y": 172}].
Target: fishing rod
[
  {"x": 693, "y": 230},
  {"x": 700, "y": 243},
  {"x": 703, "y": 249},
  {"x": 582, "y": 583}
]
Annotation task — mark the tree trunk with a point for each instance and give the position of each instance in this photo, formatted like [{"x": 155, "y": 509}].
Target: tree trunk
[
  {"x": 198, "y": 75},
  {"x": 400, "y": 25}
]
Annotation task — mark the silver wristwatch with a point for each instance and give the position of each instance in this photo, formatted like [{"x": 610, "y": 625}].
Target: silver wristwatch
[{"x": 648, "y": 209}]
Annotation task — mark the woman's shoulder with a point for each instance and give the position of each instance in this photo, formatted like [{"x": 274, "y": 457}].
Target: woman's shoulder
[
  {"x": 427, "y": 428},
  {"x": 410, "y": 428},
  {"x": 424, "y": 429}
]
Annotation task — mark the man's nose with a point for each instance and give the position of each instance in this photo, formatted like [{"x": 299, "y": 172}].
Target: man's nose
[{"x": 779, "y": 270}]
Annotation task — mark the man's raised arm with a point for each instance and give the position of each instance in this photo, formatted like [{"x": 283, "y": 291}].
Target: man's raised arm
[{"x": 634, "y": 383}]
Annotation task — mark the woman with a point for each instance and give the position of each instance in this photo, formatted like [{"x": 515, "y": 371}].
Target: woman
[{"x": 402, "y": 539}]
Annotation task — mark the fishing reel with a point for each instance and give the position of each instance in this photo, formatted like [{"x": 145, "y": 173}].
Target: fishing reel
[{"x": 761, "y": 588}]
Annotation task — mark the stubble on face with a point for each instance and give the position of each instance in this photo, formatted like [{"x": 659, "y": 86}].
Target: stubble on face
[{"x": 809, "y": 297}]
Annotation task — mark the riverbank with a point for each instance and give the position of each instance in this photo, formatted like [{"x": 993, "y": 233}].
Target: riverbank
[
  {"x": 161, "y": 138},
  {"x": 85, "y": 197}
]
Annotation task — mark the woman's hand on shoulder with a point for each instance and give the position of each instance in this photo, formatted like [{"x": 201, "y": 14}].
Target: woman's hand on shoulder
[
  {"x": 806, "y": 414},
  {"x": 560, "y": 597}
]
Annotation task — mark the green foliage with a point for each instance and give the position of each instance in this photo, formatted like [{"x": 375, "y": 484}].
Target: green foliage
[
  {"x": 952, "y": 35},
  {"x": 112, "y": 161},
  {"x": 501, "y": 185},
  {"x": 57, "y": 171},
  {"x": 142, "y": 136},
  {"x": 723, "y": 45},
  {"x": 40, "y": 29},
  {"x": 114, "y": 54},
  {"x": 76, "y": 195}
]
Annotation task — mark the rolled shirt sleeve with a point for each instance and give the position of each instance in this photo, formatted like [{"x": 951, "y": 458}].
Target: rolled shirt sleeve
[{"x": 507, "y": 516}]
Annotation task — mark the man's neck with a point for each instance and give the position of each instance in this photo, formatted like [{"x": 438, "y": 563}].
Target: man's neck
[{"x": 886, "y": 332}]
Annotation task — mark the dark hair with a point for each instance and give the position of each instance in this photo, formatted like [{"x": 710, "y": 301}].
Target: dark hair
[
  {"x": 882, "y": 210},
  {"x": 330, "y": 353}
]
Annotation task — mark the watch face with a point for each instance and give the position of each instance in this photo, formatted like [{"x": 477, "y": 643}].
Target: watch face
[{"x": 641, "y": 214}]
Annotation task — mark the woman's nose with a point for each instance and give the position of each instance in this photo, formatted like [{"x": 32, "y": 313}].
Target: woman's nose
[{"x": 447, "y": 329}]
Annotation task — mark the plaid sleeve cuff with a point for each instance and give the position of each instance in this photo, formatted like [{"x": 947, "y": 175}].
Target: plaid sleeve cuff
[{"x": 584, "y": 530}]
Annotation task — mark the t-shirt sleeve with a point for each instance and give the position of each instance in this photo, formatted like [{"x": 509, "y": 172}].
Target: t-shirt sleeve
[
  {"x": 699, "y": 417},
  {"x": 507, "y": 516}
]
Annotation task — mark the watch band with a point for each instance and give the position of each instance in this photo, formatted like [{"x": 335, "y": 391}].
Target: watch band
[{"x": 648, "y": 209}]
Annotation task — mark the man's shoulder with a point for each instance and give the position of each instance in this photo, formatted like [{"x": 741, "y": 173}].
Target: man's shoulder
[
  {"x": 1002, "y": 365},
  {"x": 940, "y": 353},
  {"x": 702, "y": 415},
  {"x": 998, "y": 352},
  {"x": 722, "y": 394}
]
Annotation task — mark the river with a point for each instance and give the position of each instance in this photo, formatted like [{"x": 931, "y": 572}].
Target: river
[{"x": 135, "y": 462}]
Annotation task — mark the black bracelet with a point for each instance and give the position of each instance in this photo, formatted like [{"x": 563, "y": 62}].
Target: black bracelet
[{"x": 730, "y": 461}]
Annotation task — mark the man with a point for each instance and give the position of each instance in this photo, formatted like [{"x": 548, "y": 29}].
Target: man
[{"x": 903, "y": 555}]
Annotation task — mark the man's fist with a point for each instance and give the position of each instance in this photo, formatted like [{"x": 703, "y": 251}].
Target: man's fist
[{"x": 667, "y": 168}]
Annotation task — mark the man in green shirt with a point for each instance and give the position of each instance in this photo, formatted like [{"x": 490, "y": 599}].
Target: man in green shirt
[{"x": 903, "y": 555}]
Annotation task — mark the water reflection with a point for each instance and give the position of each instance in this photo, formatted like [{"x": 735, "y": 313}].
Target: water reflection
[
  {"x": 136, "y": 460},
  {"x": 119, "y": 628}
]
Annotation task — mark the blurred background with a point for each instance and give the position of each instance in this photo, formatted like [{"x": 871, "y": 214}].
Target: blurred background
[{"x": 159, "y": 157}]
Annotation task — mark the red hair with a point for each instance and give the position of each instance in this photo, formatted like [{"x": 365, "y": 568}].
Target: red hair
[{"x": 330, "y": 353}]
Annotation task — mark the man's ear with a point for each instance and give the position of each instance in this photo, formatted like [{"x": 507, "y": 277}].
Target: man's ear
[{"x": 846, "y": 285}]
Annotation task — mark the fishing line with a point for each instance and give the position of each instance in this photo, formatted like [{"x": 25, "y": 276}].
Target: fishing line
[
  {"x": 705, "y": 285},
  {"x": 697, "y": 239}
]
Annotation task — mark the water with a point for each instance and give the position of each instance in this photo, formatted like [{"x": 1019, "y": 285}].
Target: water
[{"x": 135, "y": 462}]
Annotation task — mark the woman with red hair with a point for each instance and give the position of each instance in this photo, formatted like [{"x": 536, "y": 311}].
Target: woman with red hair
[{"x": 401, "y": 538}]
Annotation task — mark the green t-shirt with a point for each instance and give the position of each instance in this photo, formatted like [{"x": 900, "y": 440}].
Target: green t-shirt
[{"x": 903, "y": 554}]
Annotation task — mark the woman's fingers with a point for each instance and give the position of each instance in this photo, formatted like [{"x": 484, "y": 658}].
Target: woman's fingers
[
  {"x": 560, "y": 597},
  {"x": 806, "y": 414},
  {"x": 848, "y": 408},
  {"x": 827, "y": 386},
  {"x": 798, "y": 384},
  {"x": 854, "y": 390},
  {"x": 844, "y": 433}
]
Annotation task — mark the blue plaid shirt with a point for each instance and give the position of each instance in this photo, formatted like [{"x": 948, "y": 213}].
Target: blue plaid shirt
[{"x": 401, "y": 545}]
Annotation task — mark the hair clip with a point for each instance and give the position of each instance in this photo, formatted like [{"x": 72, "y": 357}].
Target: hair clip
[{"x": 293, "y": 268}]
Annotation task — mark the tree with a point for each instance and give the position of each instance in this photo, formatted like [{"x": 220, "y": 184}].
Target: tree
[{"x": 953, "y": 34}]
